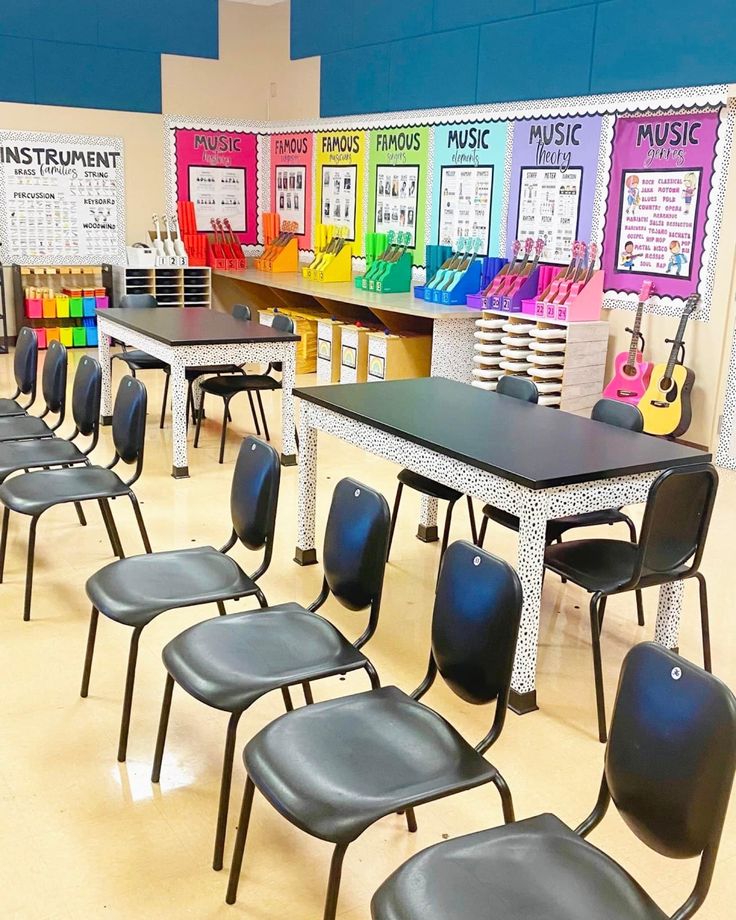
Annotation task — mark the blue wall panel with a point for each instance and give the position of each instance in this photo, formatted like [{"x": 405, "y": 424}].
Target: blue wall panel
[
  {"x": 16, "y": 69},
  {"x": 166, "y": 26},
  {"x": 390, "y": 20},
  {"x": 320, "y": 27},
  {"x": 454, "y": 14},
  {"x": 355, "y": 81}
]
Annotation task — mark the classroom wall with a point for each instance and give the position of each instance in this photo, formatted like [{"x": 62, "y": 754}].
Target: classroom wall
[{"x": 415, "y": 54}]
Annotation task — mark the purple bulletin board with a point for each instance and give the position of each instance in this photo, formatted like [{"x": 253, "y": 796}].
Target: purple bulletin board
[
  {"x": 553, "y": 173},
  {"x": 661, "y": 177}
]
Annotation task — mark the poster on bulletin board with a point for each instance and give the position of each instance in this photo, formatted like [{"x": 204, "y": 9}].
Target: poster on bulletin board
[
  {"x": 218, "y": 172},
  {"x": 553, "y": 175},
  {"x": 468, "y": 184},
  {"x": 291, "y": 182},
  {"x": 62, "y": 198},
  {"x": 398, "y": 183},
  {"x": 661, "y": 176},
  {"x": 340, "y": 174}
]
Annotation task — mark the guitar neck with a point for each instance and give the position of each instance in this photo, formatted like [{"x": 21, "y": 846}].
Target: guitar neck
[
  {"x": 634, "y": 347},
  {"x": 676, "y": 344}
]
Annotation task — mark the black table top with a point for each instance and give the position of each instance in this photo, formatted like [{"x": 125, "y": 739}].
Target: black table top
[
  {"x": 194, "y": 326},
  {"x": 536, "y": 446}
]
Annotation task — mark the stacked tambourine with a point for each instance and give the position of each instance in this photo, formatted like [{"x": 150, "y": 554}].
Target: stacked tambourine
[
  {"x": 547, "y": 361},
  {"x": 489, "y": 332}
]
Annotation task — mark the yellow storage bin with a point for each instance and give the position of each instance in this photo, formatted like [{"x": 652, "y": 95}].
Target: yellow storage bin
[
  {"x": 62, "y": 305},
  {"x": 66, "y": 336}
]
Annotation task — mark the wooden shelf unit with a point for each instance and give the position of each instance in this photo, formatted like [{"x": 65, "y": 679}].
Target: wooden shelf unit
[{"x": 172, "y": 287}]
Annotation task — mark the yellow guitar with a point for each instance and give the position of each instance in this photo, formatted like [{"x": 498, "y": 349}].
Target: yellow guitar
[{"x": 666, "y": 403}]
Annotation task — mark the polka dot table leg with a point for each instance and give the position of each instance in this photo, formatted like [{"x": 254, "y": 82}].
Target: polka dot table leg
[
  {"x": 197, "y": 392},
  {"x": 103, "y": 352},
  {"x": 288, "y": 441},
  {"x": 180, "y": 461},
  {"x": 306, "y": 554},
  {"x": 667, "y": 630},
  {"x": 427, "y": 529},
  {"x": 452, "y": 348}
]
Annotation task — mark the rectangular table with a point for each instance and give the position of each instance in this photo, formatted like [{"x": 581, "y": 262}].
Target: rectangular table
[
  {"x": 196, "y": 337},
  {"x": 532, "y": 461}
]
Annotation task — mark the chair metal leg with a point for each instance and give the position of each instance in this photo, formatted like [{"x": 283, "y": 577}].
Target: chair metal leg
[
  {"x": 261, "y": 598},
  {"x": 287, "y": 699},
  {"x": 254, "y": 413},
  {"x": 80, "y": 513},
  {"x": 139, "y": 518},
  {"x": 446, "y": 533},
  {"x": 333, "y": 885},
  {"x": 225, "y": 784},
  {"x": 507, "y": 802},
  {"x": 244, "y": 821},
  {"x": 394, "y": 515},
  {"x": 263, "y": 415},
  {"x": 163, "y": 401},
  {"x": 471, "y": 515},
  {"x": 639, "y": 607},
  {"x": 128, "y": 698},
  {"x": 595, "y": 631},
  {"x": 482, "y": 532},
  {"x": 601, "y": 612},
  {"x": 411, "y": 821},
  {"x": 307, "y": 690},
  {"x": 704, "y": 621},
  {"x": 112, "y": 531},
  {"x": 200, "y": 415},
  {"x": 4, "y": 542},
  {"x": 221, "y": 608},
  {"x": 224, "y": 432},
  {"x": 163, "y": 726},
  {"x": 29, "y": 569},
  {"x": 91, "y": 636}
]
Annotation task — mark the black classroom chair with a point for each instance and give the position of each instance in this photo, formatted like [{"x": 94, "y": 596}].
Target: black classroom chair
[
  {"x": 230, "y": 663},
  {"x": 53, "y": 389},
  {"x": 612, "y": 412},
  {"x": 333, "y": 769},
  {"x": 670, "y": 548},
  {"x": 228, "y": 387},
  {"x": 25, "y": 368},
  {"x": 49, "y": 452},
  {"x": 33, "y": 493},
  {"x": 136, "y": 590},
  {"x": 669, "y": 771}
]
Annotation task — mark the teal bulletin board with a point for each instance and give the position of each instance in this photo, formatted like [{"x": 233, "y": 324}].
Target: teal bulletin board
[{"x": 468, "y": 183}]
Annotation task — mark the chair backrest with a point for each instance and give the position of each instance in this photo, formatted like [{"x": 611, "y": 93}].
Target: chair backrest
[
  {"x": 138, "y": 301},
  {"x": 620, "y": 414},
  {"x": 53, "y": 379},
  {"x": 25, "y": 362},
  {"x": 241, "y": 311},
  {"x": 676, "y": 518},
  {"x": 518, "y": 388},
  {"x": 129, "y": 421},
  {"x": 282, "y": 323},
  {"x": 86, "y": 395},
  {"x": 254, "y": 494},
  {"x": 671, "y": 754},
  {"x": 475, "y": 623},
  {"x": 356, "y": 543}
]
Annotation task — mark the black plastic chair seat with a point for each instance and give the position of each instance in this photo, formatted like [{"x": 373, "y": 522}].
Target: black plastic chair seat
[
  {"x": 428, "y": 486},
  {"x": 10, "y": 407},
  {"x": 26, "y": 426},
  {"x": 557, "y": 527},
  {"x": 135, "y": 590},
  {"x": 25, "y": 455},
  {"x": 37, "y": 492},
  {"x": 537, "y": 869},
  {"x": 230, "y": 662},
  {"x": 239, "y": 383},
  {"x": 141, "y": 361},
  {"x": 191, "y": 373},
  {"x": 335, "y": 768}
]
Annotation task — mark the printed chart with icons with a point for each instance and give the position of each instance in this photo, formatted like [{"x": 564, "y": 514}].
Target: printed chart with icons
[
  {"x": 549, "y": 205},
  {"x": 290, "y": 195},
  {"x": 465, "y": 204},
  {"x": 339, "y": 195},
  {"x": 396, "y": 199},
  {"x": 218, "y": 192},
  {"x": 58, "y": 212}
]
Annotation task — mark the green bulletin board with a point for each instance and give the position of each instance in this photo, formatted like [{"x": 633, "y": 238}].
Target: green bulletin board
[{"x": 398, "y": 176}]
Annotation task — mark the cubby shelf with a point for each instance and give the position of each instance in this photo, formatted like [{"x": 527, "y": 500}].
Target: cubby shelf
[{"x": 172, "y": 287}]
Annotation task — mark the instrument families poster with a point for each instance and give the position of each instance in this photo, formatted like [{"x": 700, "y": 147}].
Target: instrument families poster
[
  {"x": 218, "y": 171},
  {"x": 340, "y": 169},
  {"x": 291, "y": 182},
  {"x": 397, "y": 188},
  {"x": 62, "y": 198},
  {"x": 468, "y": 184},
  {"x": 553, "y": 174},
  {"x": 661, "y": 176}
]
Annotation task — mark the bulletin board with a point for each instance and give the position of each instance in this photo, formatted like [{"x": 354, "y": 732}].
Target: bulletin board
[
  {"x": 291, "y": 182},
  {"x": 62, "y": 199},
  {"x": 339, "y": 182}
]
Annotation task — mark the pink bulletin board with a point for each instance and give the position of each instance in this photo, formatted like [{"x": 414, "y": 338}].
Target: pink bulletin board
[
  {"x": 218, "y": 171},
  {"x": 291, "y": 182}
]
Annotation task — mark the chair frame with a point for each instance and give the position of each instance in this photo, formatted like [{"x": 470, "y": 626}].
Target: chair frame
[{"x": 48, "y": 410}]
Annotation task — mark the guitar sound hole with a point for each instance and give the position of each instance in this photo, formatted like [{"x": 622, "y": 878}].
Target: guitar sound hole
[
  {"x": 629, "y": 370},
  {"x": 664, "y": 384}
]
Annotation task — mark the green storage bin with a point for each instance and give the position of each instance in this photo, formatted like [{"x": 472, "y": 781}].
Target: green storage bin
[
  {"x": 76, "y": 306},
  {"x": 79, "y": 336}
]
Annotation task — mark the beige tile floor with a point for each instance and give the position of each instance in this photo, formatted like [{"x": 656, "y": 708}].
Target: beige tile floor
[{"x": 84, "y": 837}]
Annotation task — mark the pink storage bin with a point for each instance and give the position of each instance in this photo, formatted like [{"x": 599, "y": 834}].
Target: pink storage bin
[
  {"x": 34, "y": 307},
  {"x": 41, "y": 337},
  {"x": 102, "y": 303}
]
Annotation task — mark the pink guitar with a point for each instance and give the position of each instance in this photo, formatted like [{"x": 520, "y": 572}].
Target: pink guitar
[
  {"x": 497, "y": 283},
  {"x": 580, "y": 282},
  {"x": 579, "y": 251},
  {"x": 528, "y": 266},
  {"x": 632, "y": 372}
]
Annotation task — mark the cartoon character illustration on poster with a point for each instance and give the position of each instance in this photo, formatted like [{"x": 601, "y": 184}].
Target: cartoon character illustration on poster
[
  {"x": 677, "y": 258},
  {"x": 628, "y": 256},
  {"x": 689, "y": 186},
  {"x": 632, "y": 194}
]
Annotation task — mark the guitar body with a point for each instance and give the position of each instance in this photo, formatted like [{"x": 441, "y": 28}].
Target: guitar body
[
  {"x": 630, "y": 381},
  {"x": 668, "y": 410}
]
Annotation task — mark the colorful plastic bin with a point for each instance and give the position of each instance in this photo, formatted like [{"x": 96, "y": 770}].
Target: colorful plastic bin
[
  {"x": 52, "y": 334},
  {"x": 79, "y": 336},
  {"x": 49, "y": 307},
  {"x": 88, "y": 305},
  {"x": 91, "y": 335},
  {"x": 62, "y": 305},
  {"x": 66, "y": 336},
  {"x": 103, "y": 302},
  {"x": 76, "y": 307},
  {"x": 34, "y": 307},
  {"x": 41, "y": 338}
]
